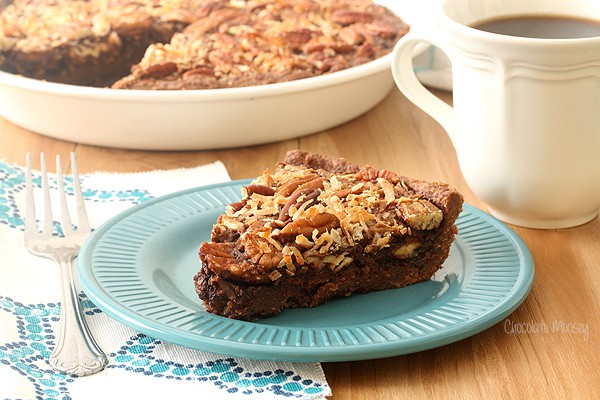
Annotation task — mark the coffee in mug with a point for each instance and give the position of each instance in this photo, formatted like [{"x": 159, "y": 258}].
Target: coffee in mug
[{"x": 541, "y": 26}]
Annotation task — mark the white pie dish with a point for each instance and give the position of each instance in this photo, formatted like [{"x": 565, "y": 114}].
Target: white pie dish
[{"x": 199, "y": 119}]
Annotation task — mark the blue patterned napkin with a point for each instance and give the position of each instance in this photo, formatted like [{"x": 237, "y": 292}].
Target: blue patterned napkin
[{"x": 140, "y": 367}]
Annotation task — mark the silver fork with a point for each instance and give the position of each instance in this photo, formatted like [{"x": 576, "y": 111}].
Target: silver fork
[{"x": 76, "y": 351}]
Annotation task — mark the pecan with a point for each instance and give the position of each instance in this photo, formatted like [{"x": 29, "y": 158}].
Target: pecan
[
  {"x": 309, "y": 188},
  {"x": 333, "y": 64},
  {"x": 317, "y": 58},
  {"x": 342, "y": 48},
  {"x": 316, "y": 183},
  {"x": 298, "y": 38},
  {"x": 405, "y": 250},
  {"x": 221, "y": 259},
  {"x": 309, "y": 195},
  {"x": 156, "y": 70},
  {"x": 351, "y": 36},
  {"x": 342, "y": 193},
  {"x": 237, "y": 206},
  {"x": 371, "y": 174},
  {"x": 349, "y": 17},
  {"x": 328, "y": 61},
  {"x": 222, "y": 251},
  {"x": 290, "y": 186},
  {"x": 260, "y": 251},
  {"x": 259, "y": 189},
  {"x": 306, "y": 226},
  {"x": 420, "y": 214},
  {"x": 365, "y": 51},
  {"x": 314, "y": 47}
]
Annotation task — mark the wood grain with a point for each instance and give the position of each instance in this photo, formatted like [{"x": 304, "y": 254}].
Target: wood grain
[{"x": 548, "y": 348}]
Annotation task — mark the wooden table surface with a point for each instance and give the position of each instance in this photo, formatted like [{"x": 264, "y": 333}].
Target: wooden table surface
[{"x": 548, "y": 348}]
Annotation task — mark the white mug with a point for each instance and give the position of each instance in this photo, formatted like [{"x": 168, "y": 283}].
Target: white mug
[{"x": 525, "y": 120}]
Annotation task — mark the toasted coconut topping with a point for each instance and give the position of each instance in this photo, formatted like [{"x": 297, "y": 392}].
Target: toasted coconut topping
[{"x": 363, "y": 209}]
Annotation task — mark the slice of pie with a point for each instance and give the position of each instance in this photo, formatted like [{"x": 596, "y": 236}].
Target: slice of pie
[{"x": 318, "y": 228}]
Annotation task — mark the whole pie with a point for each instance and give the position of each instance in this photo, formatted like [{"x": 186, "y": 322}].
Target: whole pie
[{"x": 191, "y": 44}]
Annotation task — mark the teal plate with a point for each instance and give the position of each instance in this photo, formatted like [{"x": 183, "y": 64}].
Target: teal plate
[{"x": 139, "y": 268}]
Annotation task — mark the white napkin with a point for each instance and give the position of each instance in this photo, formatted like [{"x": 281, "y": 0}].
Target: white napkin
[{"x": 140, "y": 367}]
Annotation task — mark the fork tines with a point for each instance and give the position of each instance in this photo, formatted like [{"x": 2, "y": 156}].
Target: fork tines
[{"x": 30, "y": 214}]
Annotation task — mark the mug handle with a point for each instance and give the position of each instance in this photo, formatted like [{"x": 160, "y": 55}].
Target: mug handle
[{"x": 406, "y": 79}]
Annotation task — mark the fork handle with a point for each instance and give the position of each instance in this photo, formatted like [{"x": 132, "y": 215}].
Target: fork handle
[{"x": 76, "y": 351}]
